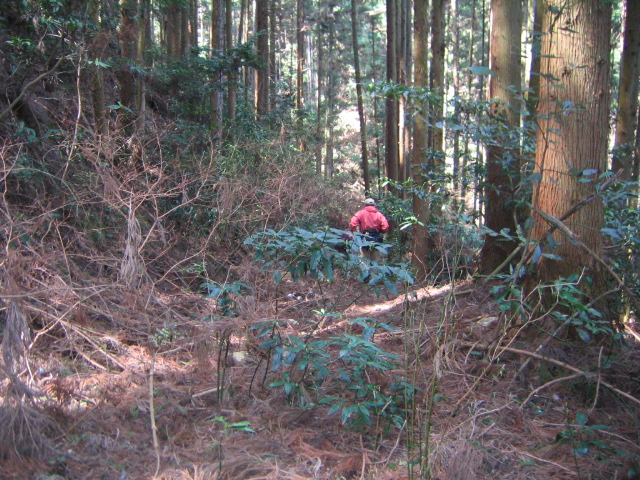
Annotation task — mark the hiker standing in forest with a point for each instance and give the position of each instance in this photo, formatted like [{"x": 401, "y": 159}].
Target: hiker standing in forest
[{"x": 372, "y": 224}]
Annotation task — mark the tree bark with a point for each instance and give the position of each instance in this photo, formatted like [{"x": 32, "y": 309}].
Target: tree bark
[
  {"x": 262, "y": 74},
  {"x": 627, "y": 119},
  {"x": 232, "y": 75},
  {"x": 215, "y": 44},
  {"x": 420, "y": 141},
  {"x": 96, "y": 52},
  {"x": 273, "y": 67},
  {"x": 573, "y": 116},
  {"x": 391, "y": 120},
  {"x": 320, "y": 110},
  {"x": 363, "y": 122},
  {"x": 503, "y": 163}
]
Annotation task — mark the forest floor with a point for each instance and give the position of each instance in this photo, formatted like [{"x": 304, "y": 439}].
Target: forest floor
[{"x": 155, "y": 385}]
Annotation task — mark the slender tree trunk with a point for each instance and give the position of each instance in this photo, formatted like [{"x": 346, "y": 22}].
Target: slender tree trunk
[
  {"x": 376, "y": 109},
  {"x": 503, "y": 163},
  {"x": 148, "y": 32},
  {"x": 391, "y": 125},
  {"x": 273, "y": 70},
  {"x": 185, "y": 31},
  {"x": 320, "y": 110},
  {"x": 627, "y": 119},
  {"x": 300, "y": 67},
  {"x": 328, "y": 170},
  {"x": 129, "y": 32},
  {"x": 193, "y": 23},
  {"x": 232, "y": 87},
  {"x": 363, "y": 122},
  {"x": 96, "y": 52},
  {"x": 437, "y": 75},
  {"x": 533, "y": 92},
  {"x": 262, "y": 74},
  {"x": 401, "y": 72},
  {"x": 456, "y": 93},
  {"x": 572, "y": 140},
  {"x": 478, "y": 197},
  {"x": 215, "y": 44},
  {"x": 420, "y": 141},
  {"x": 467, "y": 150}
]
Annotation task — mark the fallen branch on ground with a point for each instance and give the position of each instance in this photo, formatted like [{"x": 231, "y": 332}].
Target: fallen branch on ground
[{"x": 553, "y": 361}]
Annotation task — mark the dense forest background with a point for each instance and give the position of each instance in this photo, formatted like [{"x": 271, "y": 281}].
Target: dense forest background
[{"x": 178, "y": 300}]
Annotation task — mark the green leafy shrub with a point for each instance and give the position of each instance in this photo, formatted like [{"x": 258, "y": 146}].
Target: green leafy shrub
[
  {"x": 319, "y": 254},
  {"x": 308, "y": 368}
]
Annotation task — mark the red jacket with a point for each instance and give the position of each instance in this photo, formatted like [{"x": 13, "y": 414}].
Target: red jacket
[{"x": 369, "y": 218}]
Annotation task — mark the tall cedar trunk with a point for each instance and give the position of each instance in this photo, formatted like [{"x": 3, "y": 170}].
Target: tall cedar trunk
[
  {"x": 242, "y": 36},
  {"x": 503, "y": 154},
  {"x": 627, "y": 119},
  {"x": 96, "y": 52},
  {"x": 148, "y": 32},
  {"x": 129, "y": 42},
  {"x": 320, "y": 32},
  {"x": 391, "y": 125},
  {"x": 572, "y": 140},
  {"x": 300, "y": 66},
  {"x": 172, "y": 26},
  {"x": 534, "y": 74},
  {"x": 456, "y": 92},
  {"x": 193, "y": 23},
  {"x": 478, "y": 193},
  {"x": 420, "y": 141},
  {"x": 401, "y": 72},
  {"x": 363, "y": 122},
  {"x": 273, "y": 70},
  {"x": 299, "y": 55},
  {"x": 467, "y": 151},
  {"x": 262, "y": 74},
  {"x": 436, "y": 83},
  {"x": 141, "y": 15},
  {"x": 185, "y": 33},
  {"x": 331, "y": 88},
  {"x": 232, "y": 75},
  {"x": 437, "y": 75},
  {"x": 215, "y": 44},
  {"x": 408, "y": 75},
  {"x": 376, "y": 120}
]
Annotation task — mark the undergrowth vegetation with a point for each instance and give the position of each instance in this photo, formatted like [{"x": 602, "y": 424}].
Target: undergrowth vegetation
[{"x": 174, "y": 292}]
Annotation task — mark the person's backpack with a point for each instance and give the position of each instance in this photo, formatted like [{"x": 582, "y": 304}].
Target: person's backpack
[{"x": 372, "y": 235}]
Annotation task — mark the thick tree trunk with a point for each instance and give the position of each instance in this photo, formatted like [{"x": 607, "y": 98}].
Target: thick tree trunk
[
  {"x": 503, "y": 163},
  {"x": 572, "y": 141},
  {"x": 420, "y": 141}
]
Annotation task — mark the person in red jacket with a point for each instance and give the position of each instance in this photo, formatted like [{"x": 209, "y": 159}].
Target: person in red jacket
[{"x": 372, "y": 224}]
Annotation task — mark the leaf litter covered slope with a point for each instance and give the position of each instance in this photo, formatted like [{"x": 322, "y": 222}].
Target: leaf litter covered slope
[{"x": 147, "y": 384}]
